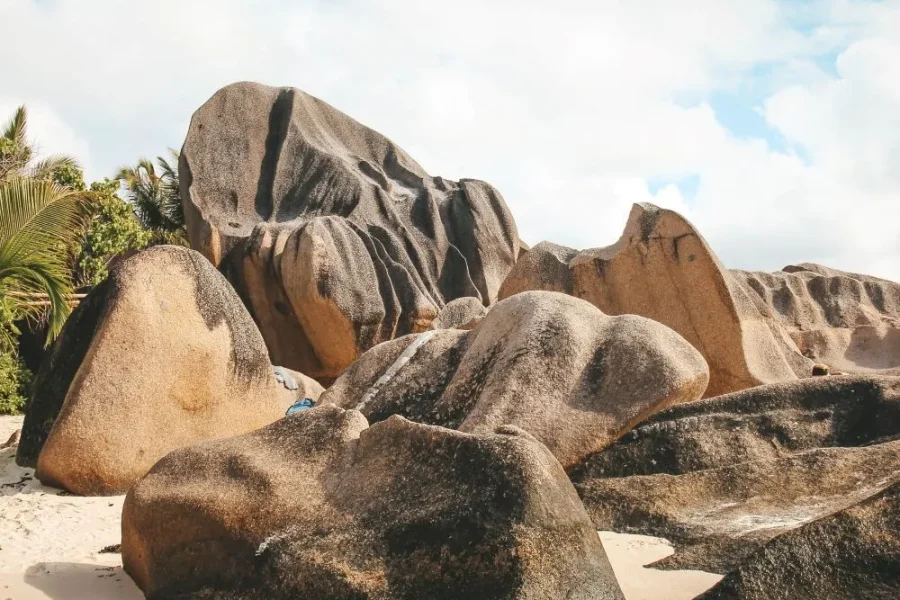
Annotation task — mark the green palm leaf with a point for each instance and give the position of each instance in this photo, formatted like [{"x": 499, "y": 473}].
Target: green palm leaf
[
  {"x": 16, "y": 152},
  {"x": 39, "y": 220},
  {"x": 45, "y": 167},
  {"x": 172, "y": 206},
  {"x": 17, "y": 127},
  {"x": 155, "y": 194}
]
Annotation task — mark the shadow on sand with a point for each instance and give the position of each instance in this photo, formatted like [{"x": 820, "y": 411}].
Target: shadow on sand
[{"x": 77, "y": 581}]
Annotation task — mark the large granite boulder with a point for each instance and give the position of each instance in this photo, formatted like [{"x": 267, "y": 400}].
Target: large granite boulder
[
  {"x": 554, "y": 365},
  {"x": 335, "y": 238},
  {"x": 723, "y": 476},
  {"x": 317, "y": 505},
  {"x": 853, "y": 554},
  {"x": 663, "y": 269},
  {"x": 159, "y": 356},
  {"x": 847, "y": 321}
]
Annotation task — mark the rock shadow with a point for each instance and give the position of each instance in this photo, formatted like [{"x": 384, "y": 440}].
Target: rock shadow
[{"x": 81, "y": 581}]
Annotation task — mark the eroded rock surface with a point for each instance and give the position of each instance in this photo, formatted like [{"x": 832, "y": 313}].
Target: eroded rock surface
[
  {"x": 663, "y": 269},
  {"x": 549, "y": 363},
  {"x": 847, "y": 321},
  {"x": 462, "y": 313},
  {"x": 335, "y": 237},
  {"x": 159, "y": 356},
  {"x": 721, "y": 477},
  {"x": 853, "y": 554},
  {"x": 317, "y": 505}
]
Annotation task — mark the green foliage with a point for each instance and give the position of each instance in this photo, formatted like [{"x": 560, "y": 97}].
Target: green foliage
[
  {"x": 69, "y": 176},
  {"x": 16, "y": 152},
  {"x": 9, "y": 331},
  {"x": 113, "y": 230},
  {"x": 12, "y": 157},
  {"x": 54, "y": 232},
  {"x": 15, "y": 384},
  {"x": 39, "y": 221},
  {"x": 156, "y": 197},
  {"x": 150, "y": 215}
]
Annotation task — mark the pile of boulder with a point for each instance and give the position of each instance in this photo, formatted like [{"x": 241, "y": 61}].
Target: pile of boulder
[
  {"x": 336, "y": 239},
  {"x": 752, "y": 328},
  {"x": 723, "y": 476},
  {"x": 324, "y": 506},
  {"x": 481, "y": 408},
  {"x": 160, "y": 355}
]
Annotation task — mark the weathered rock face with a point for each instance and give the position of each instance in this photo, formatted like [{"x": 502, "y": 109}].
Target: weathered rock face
[
  {"x": 762, "y": 423},
  {"x": 663, "y": 269},
  {"x": 336, "y": 239},
  {"x": 296, "y": 386},
  {"x": 551, "y": 364},
  {"x": 161, "y": 355},
  {"x": 318, "y": 506},
  {"x": 847, "y": 321},
  {"x": 462, "y": 313},
  {"x": 721, "y": 477},
  {"x": 58, "y": 370},
  {"x": 851, "y": 555}
]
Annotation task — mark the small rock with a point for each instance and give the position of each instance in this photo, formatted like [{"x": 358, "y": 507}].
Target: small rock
[
  {"x": 13, "y": 440},
  {"x": 820, "y": 370}
]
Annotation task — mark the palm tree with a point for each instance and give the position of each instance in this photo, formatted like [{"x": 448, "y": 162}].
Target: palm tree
[
  {"x": 155, "y": 195},
  {"x": 39, "y": 221},
  {"x": 174, "y": 208},
  {"x": 16, "y": 152}
]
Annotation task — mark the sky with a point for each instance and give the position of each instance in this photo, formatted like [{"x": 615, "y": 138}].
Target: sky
[{"x": 773, "y": 126}]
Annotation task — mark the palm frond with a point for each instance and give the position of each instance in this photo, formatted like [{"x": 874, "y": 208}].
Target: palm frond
[
  {"x": 39, "y": 221},
  {"x": 17, "y": 127},
  {"x": 169, "y": 166},
  {"x": 15, "y": 153},
  {"x": 153, "y": 193},
  {"x": 44, "y": 275},
  {"x": 149, "y": 170},
  {"x": 171, "y": 191},
  {"x": 125, "y": 174},
  {"x": 150, "y": 211},
  {"x": 44, "y": 168},
  {"x": 37, "y": 215}
]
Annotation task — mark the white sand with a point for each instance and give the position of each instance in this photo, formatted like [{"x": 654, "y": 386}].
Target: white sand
[
  {"x": 629, "y": 553},
  {"x": 50, "y": 543},
  {"x": 50, "y": 546}
]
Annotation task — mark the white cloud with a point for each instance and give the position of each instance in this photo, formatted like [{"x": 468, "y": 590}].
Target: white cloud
[
  {"x": 569, "y": 108},
  {"x": 840, "y": 207}
]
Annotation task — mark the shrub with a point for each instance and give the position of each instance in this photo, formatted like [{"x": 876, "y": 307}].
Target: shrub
[
  {"x": 113, "y": 231},
  {"x": 15, "y": 384}
]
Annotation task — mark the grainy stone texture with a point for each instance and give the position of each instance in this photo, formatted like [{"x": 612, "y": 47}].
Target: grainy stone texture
[
  {"x": 335, "y": 238},
  {"x": 317, "y": 505},
  {"x": 549, "y": 363},
  {"x": 161, "y": 355},
  {"x": 849, "y": 322},
  {"x": 721, "y": 477},
  {"x": 853, "y": 554},
  {"x": 663, "y": 269},
  {"x": 462, "y": 313},
  {"x": 296, "y": 386},
  {"x": 58, "y": 370}
]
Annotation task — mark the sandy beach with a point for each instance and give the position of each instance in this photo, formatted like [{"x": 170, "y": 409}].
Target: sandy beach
[{"x": 51, "y": 546}]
